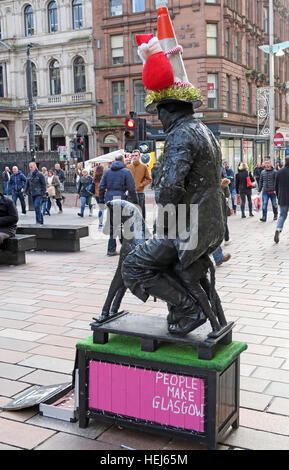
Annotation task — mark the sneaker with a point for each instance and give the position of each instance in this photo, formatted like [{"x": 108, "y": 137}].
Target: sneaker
[
  {"x": 80, "y": 215},
  {"x": 275, "y": 217},
  {"x": 227, "y": 243},
  {"x": 252, "y": 215},
  {"x": 112, "y": 253},
  {"x": 100, "y": 226},
  {"x": 243, "y": 217},
  {"x": 59, "y": 212},
  {"x": 262, "y": 220},
  {"x": 277, "y": 236}
]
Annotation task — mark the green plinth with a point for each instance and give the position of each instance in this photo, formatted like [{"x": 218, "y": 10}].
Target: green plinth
[{"x": 167, "y": 352}]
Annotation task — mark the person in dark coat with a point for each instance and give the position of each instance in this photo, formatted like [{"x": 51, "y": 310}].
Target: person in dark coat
[
  {"x": 257, "y": 172},
  {"x": 116, "y": 182},
  {"x": 282, "y": 191},
  {"x": 17, "y": 185},
  {"x": 85, "y": 189},
  {"x": 243, "y": 189},
  {"x": 154, "y": 174},
  {"x": 229, "y": 173},
  {"x": 36, "y": 186},
  {"x": 189, "y": 184},
  {"x": 8, "y": 218},
  {"x": 267, "y": 185}
]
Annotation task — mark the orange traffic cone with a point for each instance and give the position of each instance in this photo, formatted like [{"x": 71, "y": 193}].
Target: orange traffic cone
[{"x": 169, "y": 44}]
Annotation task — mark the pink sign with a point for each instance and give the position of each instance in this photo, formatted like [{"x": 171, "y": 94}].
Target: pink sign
[{"x": 169, "y": 399}]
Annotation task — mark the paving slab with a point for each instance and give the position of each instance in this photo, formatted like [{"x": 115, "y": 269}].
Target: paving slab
[
  {"x": 44, "y": 377},
  {"x": 255, "y": 440},
  {"x": 9, "y": 388},
  {"x": 22, "y": 435},
  {"x": 13, "y": 371},
  {"x": 63, "y": 441},
  {"x": 49, "y": 363}
]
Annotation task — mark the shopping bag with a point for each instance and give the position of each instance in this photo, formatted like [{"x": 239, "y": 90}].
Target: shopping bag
[{"x": 256, "y": 201}]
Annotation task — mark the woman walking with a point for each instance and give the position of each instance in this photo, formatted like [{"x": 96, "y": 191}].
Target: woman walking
[
  {"x": 244, "y": 184},
  {"x": 53, "y": 190},
  {"x": 98, "y": 173}
]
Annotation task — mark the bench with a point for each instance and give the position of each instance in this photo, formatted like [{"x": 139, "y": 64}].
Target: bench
[
  {"x": 13, "y": 249},
  {"x": 64, "y": 238}
]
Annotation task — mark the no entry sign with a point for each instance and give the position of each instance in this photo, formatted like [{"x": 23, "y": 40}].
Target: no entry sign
[{"x": 278, "y": 139}]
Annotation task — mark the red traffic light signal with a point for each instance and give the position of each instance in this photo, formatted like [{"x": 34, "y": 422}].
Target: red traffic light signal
[{"x": 130, "y": 123}]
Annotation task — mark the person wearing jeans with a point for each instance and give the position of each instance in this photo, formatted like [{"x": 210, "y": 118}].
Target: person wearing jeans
[
  {"x": 85, "y": 190},
  {"x": 282, "y": 191},
  {"x": 17, "y": 185},
  {"x": 36, "y": 186},
  {"x": 267, "y": 184},
  {"x": 244, "y": 182}
]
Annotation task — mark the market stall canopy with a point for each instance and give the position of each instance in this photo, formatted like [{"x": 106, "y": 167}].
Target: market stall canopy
[{"x": 106, "y": 158}]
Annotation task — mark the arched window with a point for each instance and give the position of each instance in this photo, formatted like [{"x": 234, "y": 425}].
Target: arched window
[
  {"x": 34, "y": 80},
  {"x": 28, "y": 21},
  {"x": 79, "y": 75},
  {"x": 54, "y": 78},
  {"x": 52, "y": 18},
  {"x": 77, "y": 18}
]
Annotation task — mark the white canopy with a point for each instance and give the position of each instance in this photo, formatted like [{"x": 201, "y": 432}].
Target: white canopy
[{"x": 106, "y": 158}]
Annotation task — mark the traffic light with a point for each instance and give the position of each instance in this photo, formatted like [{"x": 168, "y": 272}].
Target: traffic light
[
  {"x": 80, "y": 143},
  {"x": 80, "y": 148},
  {"x": 131, "y": 134}
]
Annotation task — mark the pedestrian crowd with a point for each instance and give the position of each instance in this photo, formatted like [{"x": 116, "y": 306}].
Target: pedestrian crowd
[{"x": 127, "y": 178}]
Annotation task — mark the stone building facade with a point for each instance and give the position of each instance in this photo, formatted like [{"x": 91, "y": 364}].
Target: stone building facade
[{"x": 63, "y": 77}]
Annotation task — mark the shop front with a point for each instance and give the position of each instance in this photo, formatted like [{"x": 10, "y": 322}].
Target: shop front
[{"x": 240, "y": 144}]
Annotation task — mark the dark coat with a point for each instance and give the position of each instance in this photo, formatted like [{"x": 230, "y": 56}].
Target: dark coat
[
  {"x": 83, "y": 186},
  {"x": 5, "y": 176},
  {"x": 8, "y": 216},
  {"x": 36, "y": 184},
  {"x": 61, "y": 175},
  {"x": 241, "y": 181},
  {"x": 231, "y": 176},
  {"x": 191, "y": 175},
  {"x": 257, "y": 172},
  {"x": 17, "y": 182},
  {"x": 268, "y": 180},
  {"x": 282, "y": 186},
  {"x": 116, "y": 181}
]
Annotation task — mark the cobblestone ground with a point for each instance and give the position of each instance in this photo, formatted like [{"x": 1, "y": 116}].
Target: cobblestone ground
[{"x": 47, "y": 304}]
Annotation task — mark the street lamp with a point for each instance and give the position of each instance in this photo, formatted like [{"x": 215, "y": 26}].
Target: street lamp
[{"x": 272, "y": 49}]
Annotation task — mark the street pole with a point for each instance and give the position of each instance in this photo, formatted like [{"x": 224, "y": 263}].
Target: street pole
[
  {"x": 272, "y": 82},
  {"x": 31, "y": 116}
]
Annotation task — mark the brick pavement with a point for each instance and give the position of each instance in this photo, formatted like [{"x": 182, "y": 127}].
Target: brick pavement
[{"x": 46, "y": 307}]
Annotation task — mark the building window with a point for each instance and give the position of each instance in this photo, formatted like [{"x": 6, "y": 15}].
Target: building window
[
  {"x": 115, "y": 7},
  {"x": 266, "y": 20},
  {"x": 227, "y": 43},
  {"x": 248, "y": 53},
  {"x": 228, "y": 92},
  {"x": 137, "y": 6},
  {"x": 79, "y": 75},
  {"x": 2, "y": 81},
  {"x": 135, "y": 57},
  {"x": 117, "y": 52},
  {"x": 213, "y": 101},
  {"x": 34, "y": 80},
  {"x": 249, "y": 98},
  {"x": 212, "y": 39},
  {"x": 77, "y": 14},
  {"x": 28, "y": 21},
  {"x": 118, "y": 98},
  {"x": 54, "y": 76},
  {"x": 237, "y": 95},
  {"x": 52, "y": 18},
  {"x": 139, "y": 94},
  {"x": 237, "y": 48}
]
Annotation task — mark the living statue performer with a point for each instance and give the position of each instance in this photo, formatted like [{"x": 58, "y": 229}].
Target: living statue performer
[
  {"x": 190, "y": 175},
  {"x": 198, "y": 284}
]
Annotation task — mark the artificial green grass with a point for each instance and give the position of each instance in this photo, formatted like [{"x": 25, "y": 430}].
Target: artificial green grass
[{"x": 167, "y": 352}]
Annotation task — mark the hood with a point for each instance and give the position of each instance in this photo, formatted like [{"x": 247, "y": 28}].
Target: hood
[{"x": 117, "y": 166}]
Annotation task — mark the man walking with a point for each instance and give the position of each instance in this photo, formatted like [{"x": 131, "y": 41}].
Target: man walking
[
  {"x": 267, "y": 185},
  {"x": 36, "y": 186},
  {"x": 282, "y": 190},
  {"x": 141, "y": 177},
  {"x": 116, "y": 181},
  {"x": 229, "y": 173},
  {"x": 6, "y": 179},
  {"x": 17, "y": 185},
  {"x": 61, "y": 176}
]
